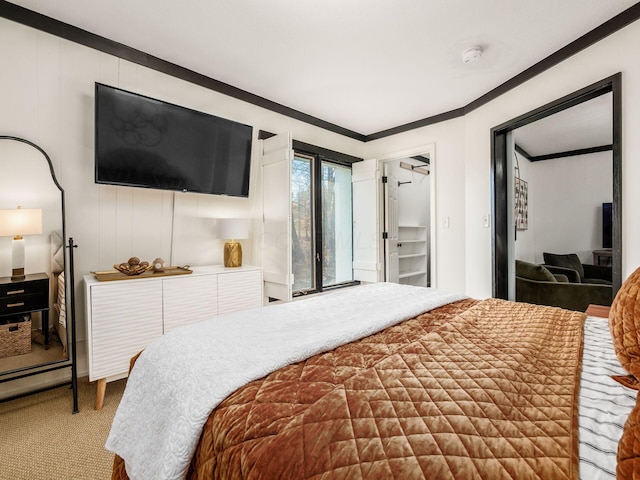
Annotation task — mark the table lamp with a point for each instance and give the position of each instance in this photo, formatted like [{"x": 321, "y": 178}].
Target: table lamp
[
  {"x": 233, "y": 229},
  {"x": 16, "y": 223}
]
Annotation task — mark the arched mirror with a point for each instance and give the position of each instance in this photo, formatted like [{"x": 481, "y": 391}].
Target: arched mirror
[{"x": 34, "y": 318}]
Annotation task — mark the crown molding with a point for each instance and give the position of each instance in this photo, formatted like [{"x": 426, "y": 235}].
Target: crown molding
[{"x": 49, "y": 25}]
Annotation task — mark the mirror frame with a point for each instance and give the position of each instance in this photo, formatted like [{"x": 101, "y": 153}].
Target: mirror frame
[
  {"x": 500, "y": 176},
  {"x": 70, "y": 360}
]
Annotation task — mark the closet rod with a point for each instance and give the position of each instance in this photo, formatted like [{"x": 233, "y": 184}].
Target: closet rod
[{"x": 414, "y": 168}]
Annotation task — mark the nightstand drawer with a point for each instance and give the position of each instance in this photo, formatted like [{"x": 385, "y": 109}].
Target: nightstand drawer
[
  {"x": 24, "y": 296},
  {"x": 22, "y": 303},
  {"x": 17, "y": 289}
]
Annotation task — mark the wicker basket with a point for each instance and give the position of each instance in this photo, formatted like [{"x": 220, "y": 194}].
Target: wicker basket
[{"x": 15, "y": 338}]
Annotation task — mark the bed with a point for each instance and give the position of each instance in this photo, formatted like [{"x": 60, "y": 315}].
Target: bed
[
  {"x": 378, "y": 381},
  {"x": 58, "y": 312}
]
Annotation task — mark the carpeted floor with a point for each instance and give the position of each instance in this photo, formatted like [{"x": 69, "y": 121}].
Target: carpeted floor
[{"x": 40, "y": 439}]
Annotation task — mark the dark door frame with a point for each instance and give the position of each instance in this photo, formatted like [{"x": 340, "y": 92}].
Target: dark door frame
[{"x": 500, "y": 176}]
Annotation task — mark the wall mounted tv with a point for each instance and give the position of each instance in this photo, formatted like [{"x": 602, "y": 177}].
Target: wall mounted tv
[{"x": 144, "y": 142}]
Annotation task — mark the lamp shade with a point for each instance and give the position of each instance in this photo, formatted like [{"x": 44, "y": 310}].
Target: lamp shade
[
  {"x": 20, "y": 221},
  {"x": 233, "y": 228}
]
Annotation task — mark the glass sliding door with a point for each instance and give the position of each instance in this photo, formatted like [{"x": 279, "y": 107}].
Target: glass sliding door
[
  {"x": 337, "y": 238},
  {"x": 321, "y": 234},
  {"x": 302, "y": 221}
]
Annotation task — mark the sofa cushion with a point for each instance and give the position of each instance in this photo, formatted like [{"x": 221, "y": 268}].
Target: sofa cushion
[
  {"x": 599, "y": 281},
  {"x": 603, "y": 272},
  {"x": 624, "y": 324},
  {"x": 568, "y": 260},
  {"x": 572, "y": 275},
  {"x": 532, "y": 271}
]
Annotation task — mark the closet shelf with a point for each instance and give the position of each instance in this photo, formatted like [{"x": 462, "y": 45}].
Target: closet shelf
[
  {"x": 411, "y": 241},
  {"x": 413, "y": 255},
  {"x": 412, "y": 274}
]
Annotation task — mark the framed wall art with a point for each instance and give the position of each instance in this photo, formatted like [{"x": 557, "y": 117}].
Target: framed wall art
[{"x": 521, "y": 204}]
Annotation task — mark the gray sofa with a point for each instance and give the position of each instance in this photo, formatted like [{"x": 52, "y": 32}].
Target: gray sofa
[
  {"x": 584, "y": 273},
  {"x": 537, "y": 284}
]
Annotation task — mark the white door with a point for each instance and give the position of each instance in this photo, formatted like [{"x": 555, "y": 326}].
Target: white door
[
  {"x": 188, "y": 299},
  {"x": 390, "y": 187},
  {"x": 277, "y": 155},
  {"x": 239, "y": 290},
  {"x": 367, "y": 247},
  {"x": 125, "y": 317}
]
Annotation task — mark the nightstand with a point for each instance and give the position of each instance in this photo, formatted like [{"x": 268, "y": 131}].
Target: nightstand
[
  {"x": 598, "y": 311},
  {"x": 31, "y": 294}
]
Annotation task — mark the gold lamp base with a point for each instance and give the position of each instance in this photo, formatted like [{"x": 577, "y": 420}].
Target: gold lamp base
[
  {"x": 232, "y": 254},
  {"x": 17, "y": 274}
]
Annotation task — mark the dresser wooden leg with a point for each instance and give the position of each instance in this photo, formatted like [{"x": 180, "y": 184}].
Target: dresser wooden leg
[{"x": 100, "y": 389}]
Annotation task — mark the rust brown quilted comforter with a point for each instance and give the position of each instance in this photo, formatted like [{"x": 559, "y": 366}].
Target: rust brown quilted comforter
[{"x": 476, "y": 389}]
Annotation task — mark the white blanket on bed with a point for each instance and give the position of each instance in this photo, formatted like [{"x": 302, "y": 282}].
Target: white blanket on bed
[{"x": 184, "y": 375}]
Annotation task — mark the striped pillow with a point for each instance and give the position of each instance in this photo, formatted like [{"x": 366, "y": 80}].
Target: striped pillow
[{"x": 62, "y": 317}]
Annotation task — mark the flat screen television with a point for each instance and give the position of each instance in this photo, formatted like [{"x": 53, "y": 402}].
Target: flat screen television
[
  {"x": 607, "y": 222},
  {"x": 144, "y": 142}
]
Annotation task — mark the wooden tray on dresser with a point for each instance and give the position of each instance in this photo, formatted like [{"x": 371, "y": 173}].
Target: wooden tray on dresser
[{"x": 116, "y": 275}]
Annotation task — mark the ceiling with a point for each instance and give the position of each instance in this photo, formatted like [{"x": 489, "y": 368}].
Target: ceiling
[
  {"x": 586, "y": 125},
  {"x": 365, "y": 66}
]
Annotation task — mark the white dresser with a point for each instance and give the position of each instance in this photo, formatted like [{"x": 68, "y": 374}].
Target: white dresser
[{"x": 124, "y": 316}]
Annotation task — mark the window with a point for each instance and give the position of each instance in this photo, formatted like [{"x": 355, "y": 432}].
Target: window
[{"x": 322, "y": 240}]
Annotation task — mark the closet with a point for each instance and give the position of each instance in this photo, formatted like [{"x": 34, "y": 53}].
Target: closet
[
  {"x": 394, "y": 218},
  {"x": 407, "y": 221}
]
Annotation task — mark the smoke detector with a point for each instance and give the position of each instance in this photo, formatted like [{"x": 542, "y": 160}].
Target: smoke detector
[{"x": 471, "y": 55}]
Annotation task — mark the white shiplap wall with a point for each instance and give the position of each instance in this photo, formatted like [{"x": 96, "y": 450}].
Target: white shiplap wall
[{"x": 47, "y": 97}]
